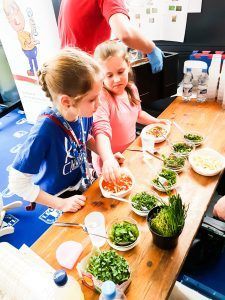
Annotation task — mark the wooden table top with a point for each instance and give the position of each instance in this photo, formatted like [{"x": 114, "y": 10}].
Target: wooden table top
[{"x": 154, "y": 271}]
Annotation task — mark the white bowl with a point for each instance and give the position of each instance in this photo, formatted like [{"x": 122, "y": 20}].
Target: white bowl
[
  {"x": 207, "y": 162},
  {"x": 195, "y": 133},
  {"x": 184, "y": 154},
  {"x": 151, "y": 126},
  {"x": 142, "y": 213},
  {"x": 166, "y": 188},
  {"x": 125, "y": 247},
  {"x": 121, "y": 193},
  {"x": 176, "y": 169}
]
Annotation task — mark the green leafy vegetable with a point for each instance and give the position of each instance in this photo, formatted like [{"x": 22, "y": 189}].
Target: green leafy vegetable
[
  {"x": 170, "y": 219},
  {"x": 173, "y": 161},
  {"x": 169, "y": 175},
  {"x": 182, "y": 148},
  {"x": 109, "y": 266},
  {"x": 144, "y": 201},
  {"x": 193, "y": 137},
  {"x": 123, "y": 232}
]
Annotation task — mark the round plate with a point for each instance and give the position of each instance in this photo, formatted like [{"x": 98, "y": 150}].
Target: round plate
[
  {"x": 151, "y": 126},
  {"x": 207, "y": 162}
]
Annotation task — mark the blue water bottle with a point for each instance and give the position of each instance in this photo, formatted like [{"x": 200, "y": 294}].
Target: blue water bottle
[{"x": 111, "y": 292}]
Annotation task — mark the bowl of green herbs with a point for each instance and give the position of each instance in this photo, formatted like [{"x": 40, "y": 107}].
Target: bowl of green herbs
[
  {"x": 108, "y": 265},
  {"x": 194, "y": 137},
  {"x": 174, "y": 162},
  {"x": 143, "y": 202},
  {"x": 183, "y": 148},
  {"x": 123, "y": 234},
  {"x": 166, "y": 222},
  {"x": 166, "y": 180}
]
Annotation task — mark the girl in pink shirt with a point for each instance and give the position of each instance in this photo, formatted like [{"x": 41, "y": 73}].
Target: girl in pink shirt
[{"x": 115, "y": 120}]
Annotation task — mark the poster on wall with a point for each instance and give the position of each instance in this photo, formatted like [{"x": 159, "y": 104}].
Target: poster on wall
[
  {"x": 160, "y": 19},
  {"x": 28, "y": 42}
]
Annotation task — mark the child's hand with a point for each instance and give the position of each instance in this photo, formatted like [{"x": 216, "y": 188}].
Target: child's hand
[
  {"x": 119, "y": 157},
  {"x": 73, "y": 203},
  {"x": 111, "y": 170}
]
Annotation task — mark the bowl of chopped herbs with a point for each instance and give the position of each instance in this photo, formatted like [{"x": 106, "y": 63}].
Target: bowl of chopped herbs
[
  {"x": 143, "y": 202},
  {"x": 183, "y": 148},
  {"x": 174, "y": 162},
  {"x": 123, "y": 234},
  {"x": 194, "y": 137},
  {"x": 166, "y": 180},
  {"x": 166, "y": 222},
  {"x": 108, "y": 265}
]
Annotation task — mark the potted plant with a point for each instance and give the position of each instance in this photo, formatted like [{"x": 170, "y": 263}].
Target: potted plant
[{"x": 166, "y": 222}]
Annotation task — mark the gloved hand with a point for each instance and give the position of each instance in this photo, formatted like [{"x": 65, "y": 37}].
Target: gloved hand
[{"x": 156, "y": 60}]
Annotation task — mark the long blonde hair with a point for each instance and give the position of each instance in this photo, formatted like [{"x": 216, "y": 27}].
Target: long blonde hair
[
  {"x": 115, "y": 48},
  {"x": 71, "y": 72}
]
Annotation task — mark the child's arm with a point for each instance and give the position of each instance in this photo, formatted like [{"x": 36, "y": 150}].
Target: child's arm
[
  {"x": 22, "y": 185},
  {"x": 145, "y": 119},
  {"x": 110, "y": 168}
]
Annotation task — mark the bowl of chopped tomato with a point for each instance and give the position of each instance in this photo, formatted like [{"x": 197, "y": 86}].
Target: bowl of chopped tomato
[{"x": 121, "y": 188}]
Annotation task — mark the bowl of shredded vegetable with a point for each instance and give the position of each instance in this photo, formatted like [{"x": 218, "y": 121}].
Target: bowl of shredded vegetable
[{"x": 207, "y": 162}]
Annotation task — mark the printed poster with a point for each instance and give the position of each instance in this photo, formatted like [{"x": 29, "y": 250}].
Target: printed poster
[
  {"x": 160, "y": 19},
  {"x": 28, "y": 42}
]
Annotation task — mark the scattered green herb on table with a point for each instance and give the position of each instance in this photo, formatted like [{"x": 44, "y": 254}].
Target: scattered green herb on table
[
  {"x": 123, "y": 232},
  {"x": 171, "y": 218},
  {"x": 109, "y": 266},
  {"x": 193, "y": 137},
  {"x": 143, "y": 201},
  {"x": 169, "y": 175},
  {"x": 182, "y": 148},
  {"x": 173, "y": 161}
]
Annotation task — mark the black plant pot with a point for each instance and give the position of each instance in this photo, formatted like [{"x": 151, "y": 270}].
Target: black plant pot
[{"x": 162, "y": 242}]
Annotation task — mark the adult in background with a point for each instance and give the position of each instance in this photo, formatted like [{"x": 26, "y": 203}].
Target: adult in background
[{"x": 87, "y": 23}]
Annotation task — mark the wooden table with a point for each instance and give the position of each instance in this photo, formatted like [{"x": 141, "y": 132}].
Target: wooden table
[{"x": 154, "y": 271}]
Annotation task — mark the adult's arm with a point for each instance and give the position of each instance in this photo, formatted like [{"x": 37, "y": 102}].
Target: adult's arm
[{"x": 129, "y": 35}]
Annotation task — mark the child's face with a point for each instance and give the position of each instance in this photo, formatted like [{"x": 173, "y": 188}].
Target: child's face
[
  {"x": 89, "y": 103},
  {"x": 116, "y": 71}
]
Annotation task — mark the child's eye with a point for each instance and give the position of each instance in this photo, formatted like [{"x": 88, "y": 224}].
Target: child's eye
[
  {"x": 121, "y": 72},
  {"x": 109, "y": 75}
]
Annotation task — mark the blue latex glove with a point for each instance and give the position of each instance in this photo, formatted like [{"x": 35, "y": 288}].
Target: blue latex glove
[{"x": 156, "y": 60}]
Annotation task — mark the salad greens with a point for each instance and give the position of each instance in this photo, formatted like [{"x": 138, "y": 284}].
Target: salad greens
[
  {"x": 170, "y": 219},
  {"x": 169, "y": 175},
  {"x": 109, "y": 266},
  {"x": 123, "y": 232},
  {"x": 182, "y": 148},
  {"x": 193, "y": 137},
  {"x": 144, "y": 201},
  {"x": 173, "y": 161}
]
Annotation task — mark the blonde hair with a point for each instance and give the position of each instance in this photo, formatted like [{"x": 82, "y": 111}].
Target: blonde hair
[
  {"x": 115, "y": 48},
  {"x": 71, "y": 72}
]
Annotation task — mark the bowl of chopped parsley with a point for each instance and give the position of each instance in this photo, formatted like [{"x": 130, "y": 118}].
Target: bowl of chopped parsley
[
  {"x": 174, "y": 162},
  {"x": 166, "y": 180},
  {"x": 183, "y": 148},
  {"x": 194, "y": 137},
  {"x": 143, "y": 202},
  {"x": 123, "y": 234}
]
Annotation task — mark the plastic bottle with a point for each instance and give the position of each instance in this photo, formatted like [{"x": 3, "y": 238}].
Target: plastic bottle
[
  {"x": 202, "y": 86},
  {"x": 187, "y": 85},
  {"x": 111, "y": 292},
  {"x": 66, "y": 287}
]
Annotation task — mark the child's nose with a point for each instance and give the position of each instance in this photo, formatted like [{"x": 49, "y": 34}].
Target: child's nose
[{"x": 117, "y": 78}]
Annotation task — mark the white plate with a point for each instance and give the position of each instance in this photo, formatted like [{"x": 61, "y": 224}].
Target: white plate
[
  {"x": 151, "y": 126},
  {"x": 209, "y": 156}
]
